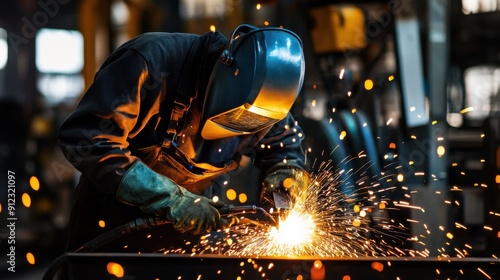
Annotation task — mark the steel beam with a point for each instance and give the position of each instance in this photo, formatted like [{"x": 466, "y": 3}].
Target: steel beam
[{"x": 171, "y": 266}]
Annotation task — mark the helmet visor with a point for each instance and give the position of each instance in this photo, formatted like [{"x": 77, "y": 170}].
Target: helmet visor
[
  {"x": 237, "y": 121},
  {"x": 258, "y": 88}
]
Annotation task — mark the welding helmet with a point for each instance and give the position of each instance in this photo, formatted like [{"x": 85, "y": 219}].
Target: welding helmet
[{"x": 254, "y": 83}]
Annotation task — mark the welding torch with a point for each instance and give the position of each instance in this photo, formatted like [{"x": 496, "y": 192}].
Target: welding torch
[{"x": 232, "y": 210}]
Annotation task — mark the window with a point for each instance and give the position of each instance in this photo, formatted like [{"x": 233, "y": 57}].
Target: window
[
  {"x": 203, "y": 9},
  {"x": 477, "y": 98},
  {"x": 3, "y": 48},
  {"x": 59, "y": 61},
  {"x": 59, "y": 51},
  {"x": 480, "y": 6},
  {"x": 481, "y": 89}
]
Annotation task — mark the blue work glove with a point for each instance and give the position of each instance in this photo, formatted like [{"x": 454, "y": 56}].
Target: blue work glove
[{"x": 155, "y": 193}]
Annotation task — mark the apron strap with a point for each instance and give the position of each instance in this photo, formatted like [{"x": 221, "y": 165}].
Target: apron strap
[{"x": 188, "y": 85}]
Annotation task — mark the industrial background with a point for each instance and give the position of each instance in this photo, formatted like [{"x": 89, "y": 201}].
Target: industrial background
[{"x": 411, "y": 83}]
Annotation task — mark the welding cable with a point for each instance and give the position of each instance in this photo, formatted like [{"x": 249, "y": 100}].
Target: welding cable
[
  {"x": 101, "y": 240},
  {"x": 111, "y": 235},
  {"x": 135, "y": 225}
]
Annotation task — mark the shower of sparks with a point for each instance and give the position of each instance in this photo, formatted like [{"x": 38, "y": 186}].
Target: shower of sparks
[
  {"x": 336, "y": 219},
  {"x": 466, "y": 110},
  {"x": 348, "y": 213}
]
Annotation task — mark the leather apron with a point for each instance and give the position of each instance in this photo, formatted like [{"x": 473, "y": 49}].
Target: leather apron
[
  {"x": 177, "y": 166},
  {"x": 175, "y": 159}
]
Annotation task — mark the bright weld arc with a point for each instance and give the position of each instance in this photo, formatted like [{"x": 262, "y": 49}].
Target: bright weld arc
[{"x": 328, "y": 226}]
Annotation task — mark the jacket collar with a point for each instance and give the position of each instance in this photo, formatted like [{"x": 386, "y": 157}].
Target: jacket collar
[{"x": 201, "y": 58}]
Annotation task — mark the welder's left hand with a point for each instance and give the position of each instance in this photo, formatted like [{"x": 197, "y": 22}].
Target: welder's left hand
[{"x": 286, "y": 178}]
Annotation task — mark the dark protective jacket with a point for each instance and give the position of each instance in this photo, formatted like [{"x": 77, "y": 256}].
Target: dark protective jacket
[{"x": 123, "y": 115}]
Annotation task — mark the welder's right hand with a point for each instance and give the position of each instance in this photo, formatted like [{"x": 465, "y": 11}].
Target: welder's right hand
[
  {"x": 290, "y": 179},
  {"x": 154, "y": 193}
]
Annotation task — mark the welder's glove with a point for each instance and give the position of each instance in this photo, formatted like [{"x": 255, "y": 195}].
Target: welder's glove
[
  {"x": 286, "y": 178},
  {"x": 155, "y": 193}
]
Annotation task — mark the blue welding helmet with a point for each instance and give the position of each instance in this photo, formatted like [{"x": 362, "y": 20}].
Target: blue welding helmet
[{"x": 254, "y": 83}]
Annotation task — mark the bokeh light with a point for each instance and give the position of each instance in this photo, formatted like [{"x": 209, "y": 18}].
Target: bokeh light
[
  {"x": 26, "y": 199},
  {"x": 368, "y": 84},
  {"x": 34, "y": 183},
  {"x": 115, "y": 269},
  {"x": 231, "y": 194},
  {"x": 30, "y": 258}
]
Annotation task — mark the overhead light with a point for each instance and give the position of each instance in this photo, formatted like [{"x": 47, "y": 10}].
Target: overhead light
[
  {"x": 4, "y": 51},
  {"x": 59, "y": 51}
]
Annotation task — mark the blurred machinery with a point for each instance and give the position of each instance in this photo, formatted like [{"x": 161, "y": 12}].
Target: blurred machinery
[
  {"x": 368, "y": 104},
  {"x": 430, "y": 106}
]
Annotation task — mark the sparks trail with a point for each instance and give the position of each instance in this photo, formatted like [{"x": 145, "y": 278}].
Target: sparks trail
[{"x": 337, "y": 219}]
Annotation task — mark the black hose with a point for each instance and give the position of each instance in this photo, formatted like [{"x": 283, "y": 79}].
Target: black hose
[
  {"x": 135, "y": 225},
  {"x": 111, "y": 235},
  {"x": 101, "y": 240},
  {"x": 55, "y": 266}
]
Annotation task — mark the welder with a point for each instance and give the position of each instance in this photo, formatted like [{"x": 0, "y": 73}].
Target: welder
[{"x": 168, "y": 113}]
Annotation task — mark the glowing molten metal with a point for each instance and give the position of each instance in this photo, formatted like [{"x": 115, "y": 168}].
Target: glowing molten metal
[{"x": 297, "y": 228}]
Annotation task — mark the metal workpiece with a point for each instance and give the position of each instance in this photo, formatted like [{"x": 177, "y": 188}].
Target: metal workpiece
[
  {"x": 172, "y": 266},
  {"x": 281, "y": 200}
]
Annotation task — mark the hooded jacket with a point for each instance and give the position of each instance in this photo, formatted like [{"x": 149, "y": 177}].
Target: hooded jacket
[{"x": 122, "y": 116}]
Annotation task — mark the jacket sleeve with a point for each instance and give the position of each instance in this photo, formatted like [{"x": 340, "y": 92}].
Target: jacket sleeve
[
  {"x": 94, "y": 138},
  {"x": 282, "y": 144}
]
